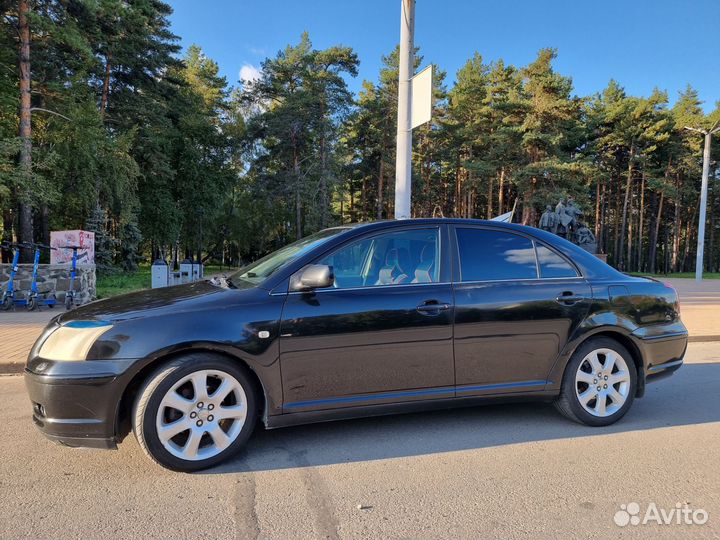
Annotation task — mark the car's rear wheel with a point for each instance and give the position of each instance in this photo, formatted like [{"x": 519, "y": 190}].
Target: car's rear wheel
[
  {"x": 599, "y": 383},
  {"x": 195, "y": 412}
]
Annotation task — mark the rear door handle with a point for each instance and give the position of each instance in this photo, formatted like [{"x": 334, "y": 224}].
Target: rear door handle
[
  {"x": 432, "y": 307},
  {"x": 569, "y": 298}
]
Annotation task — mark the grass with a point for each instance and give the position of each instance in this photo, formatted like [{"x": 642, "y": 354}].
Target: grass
[
  {"x": 115, "y": 284},
  {"x": 122, "y": 283},
  {"x": 686, "y": 275}
]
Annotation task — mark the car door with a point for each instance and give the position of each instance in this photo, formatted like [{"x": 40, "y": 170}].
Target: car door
[
  {"x": 517, "y": 302},
  {"x": 382, "y": 334}
]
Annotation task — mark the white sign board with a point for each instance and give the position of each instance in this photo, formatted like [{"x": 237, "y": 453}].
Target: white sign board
[
  {"x": 83, "y": 239},
  {"x": 421, "y": 107}
]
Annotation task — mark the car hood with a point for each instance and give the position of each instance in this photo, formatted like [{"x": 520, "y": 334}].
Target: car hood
[{"x": 153, "y": 302}]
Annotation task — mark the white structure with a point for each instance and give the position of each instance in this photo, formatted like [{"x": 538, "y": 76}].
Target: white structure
[
  {"x": 159, "y": 274},
  {"x": 414, "y": 108}
]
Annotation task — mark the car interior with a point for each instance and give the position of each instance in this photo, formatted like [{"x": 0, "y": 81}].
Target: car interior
[{"x": 404, "y": 257}]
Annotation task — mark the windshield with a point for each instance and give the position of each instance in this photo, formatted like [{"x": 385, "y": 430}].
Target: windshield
[{"x": 262, "y": 269}]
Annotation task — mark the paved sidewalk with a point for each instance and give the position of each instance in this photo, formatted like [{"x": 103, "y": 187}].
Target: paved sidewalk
[
  {"x": 700, "y": 309},
  {"x": 18, "y": 331}
]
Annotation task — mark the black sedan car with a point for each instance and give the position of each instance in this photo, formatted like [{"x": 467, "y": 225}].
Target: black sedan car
[{"x": 355, "y": 321}]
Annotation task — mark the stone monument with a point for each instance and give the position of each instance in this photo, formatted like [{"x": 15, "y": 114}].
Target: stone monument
[{"x": 565, "y": 221}]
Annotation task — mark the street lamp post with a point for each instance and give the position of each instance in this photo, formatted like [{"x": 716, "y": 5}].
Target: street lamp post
[
  {"x": 703, "y": 198},
  {"x": 403, "y": 157}
]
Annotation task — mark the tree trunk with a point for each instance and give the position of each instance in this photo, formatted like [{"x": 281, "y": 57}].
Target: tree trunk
[
  {"x": 528, "y": 217},
  {"x": 106, "y": 86},
  {"x": 628, "y": 255},
  {"x": 45, "y": 224},
  {"x": 6, "y": 257},
  {"x": 298, "y": 198},
  {"x": 597, "y": 209},
  {"x": 458, "y": 173},
  {"x": 602, "y": 231},
  {"x": 688, "y": 241},
  {"x": 616, "y": 226},
  {"x": 654, "y": 238},
  {"x": 363, "y": 199},
  {"x": 641, "y": 223},
  {"x": 490, "y": 197},
  {"x": 675, "y": 260},
  {"x": 381, "y": 187},
  {"x": 501, "y": 191},
  {"x": 25, "y": 229},
  {"x": 324, "y": 199},
  {"x": 628, "y": 184}
]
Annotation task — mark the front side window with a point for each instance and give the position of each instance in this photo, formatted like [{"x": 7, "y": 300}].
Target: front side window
[
  {"x": 393, "y": 258},
  {"x": 495, "y": 255}
]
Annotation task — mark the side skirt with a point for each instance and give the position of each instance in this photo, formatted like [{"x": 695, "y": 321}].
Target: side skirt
[{"x": 348, "y": 413}]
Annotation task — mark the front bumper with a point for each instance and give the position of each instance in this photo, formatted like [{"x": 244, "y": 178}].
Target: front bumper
[{"x": 75, "y": 403}]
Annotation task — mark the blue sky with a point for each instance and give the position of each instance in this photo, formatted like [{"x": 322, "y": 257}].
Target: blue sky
[{"x": 641, "y": 43}]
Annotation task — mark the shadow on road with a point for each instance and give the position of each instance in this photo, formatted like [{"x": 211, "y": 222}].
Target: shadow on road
[{"x": 691, "y": 396}]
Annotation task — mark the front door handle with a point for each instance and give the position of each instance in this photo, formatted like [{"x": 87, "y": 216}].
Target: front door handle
[
  {"x": 432, "y": 307},
  {"x": 569, "y": 298}
]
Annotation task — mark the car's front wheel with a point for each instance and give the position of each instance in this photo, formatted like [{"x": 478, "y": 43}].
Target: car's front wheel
[
  {"x": 599, "y": 383},
  {"x": 195, "y": 412}
]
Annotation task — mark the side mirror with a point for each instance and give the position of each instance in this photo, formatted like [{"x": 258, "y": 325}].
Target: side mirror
[{"x": 314, "y": 276}]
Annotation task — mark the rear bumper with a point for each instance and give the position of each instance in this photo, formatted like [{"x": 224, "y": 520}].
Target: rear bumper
[
  {"x": 663, "y": 350},
  {"x": 75, "y": 409}
]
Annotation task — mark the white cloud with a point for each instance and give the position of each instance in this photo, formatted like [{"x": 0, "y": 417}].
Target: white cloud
[{"x": 248, "y": 72}]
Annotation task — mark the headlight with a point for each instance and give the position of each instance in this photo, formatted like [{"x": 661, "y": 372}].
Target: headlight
[{"x": 71, "y": 342}]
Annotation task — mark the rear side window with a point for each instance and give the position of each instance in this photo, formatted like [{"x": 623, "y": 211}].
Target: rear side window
[
  {"x": 553, "y": 265},
  {"x": 492, "y": 255}
]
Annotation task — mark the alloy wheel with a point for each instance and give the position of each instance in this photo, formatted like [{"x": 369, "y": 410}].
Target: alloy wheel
[
  {"x": 602, "y": 382},
  {"x": 201, "y": 415}
]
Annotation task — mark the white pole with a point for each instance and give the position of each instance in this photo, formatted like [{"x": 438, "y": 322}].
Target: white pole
[
  {"x": 703, "y": 208},
  {"x": 403, "y": 158}
]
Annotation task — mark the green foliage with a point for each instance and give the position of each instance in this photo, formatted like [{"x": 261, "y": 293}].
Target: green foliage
[
  {"x": 158, "y": 155},
  {"x": 105, "y": 244},
  {"x": 298, "y": 105},
  {"x": 130, "y": 241}
]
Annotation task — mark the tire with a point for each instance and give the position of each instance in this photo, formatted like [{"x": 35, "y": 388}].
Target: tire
[
  {"x": 32, "y": 303},
  {"x": 194, "y": 420},
  {"x": 7, "y": 303},
  {"x": 68, "y": 302},
  {"x": 579, "y": 398}
]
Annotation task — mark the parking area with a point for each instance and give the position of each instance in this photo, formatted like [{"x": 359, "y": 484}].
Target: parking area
[{"x": 514, "y": 471}]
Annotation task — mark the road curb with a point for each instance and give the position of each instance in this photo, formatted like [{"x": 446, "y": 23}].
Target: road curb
[
  {"x": 703, "y": 339},
  {"x": 11, "y": 369}
]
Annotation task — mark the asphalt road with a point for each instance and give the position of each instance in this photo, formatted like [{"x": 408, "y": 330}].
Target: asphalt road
[{"x": 517, "y": 471}]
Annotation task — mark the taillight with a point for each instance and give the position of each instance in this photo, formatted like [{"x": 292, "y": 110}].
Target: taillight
[{"x": 677, "y": 296}]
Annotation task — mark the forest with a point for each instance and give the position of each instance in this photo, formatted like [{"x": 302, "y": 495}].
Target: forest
[{"x": 107, "y": 125}]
